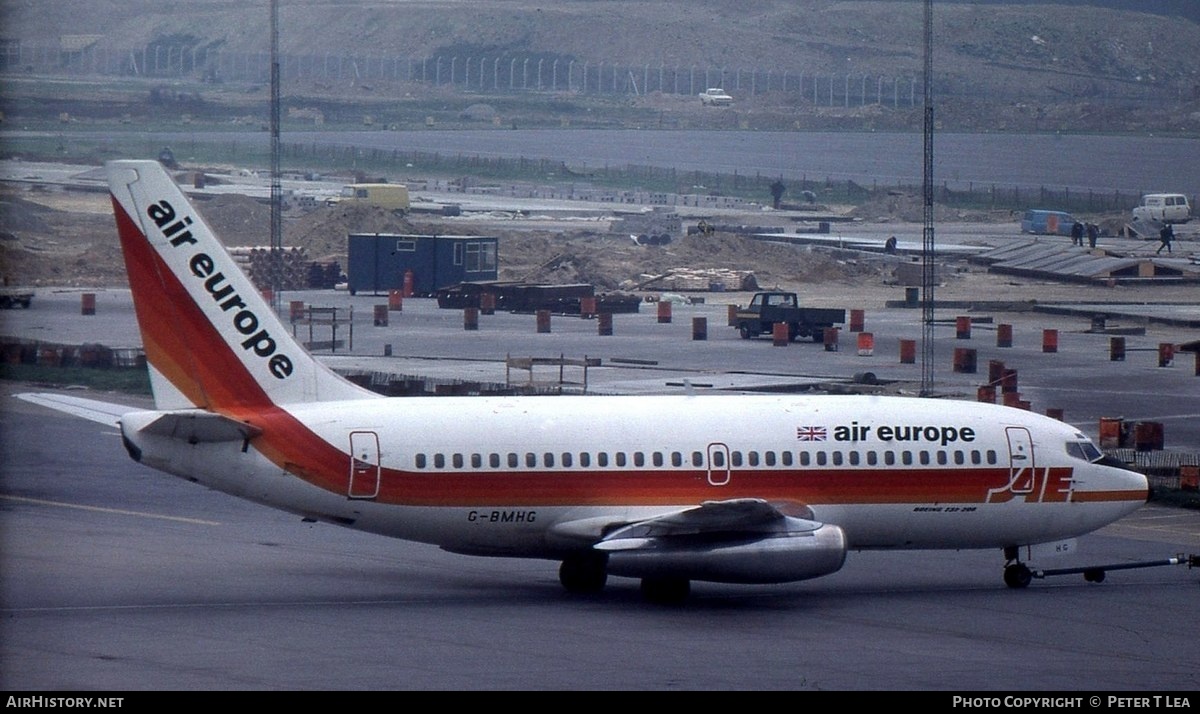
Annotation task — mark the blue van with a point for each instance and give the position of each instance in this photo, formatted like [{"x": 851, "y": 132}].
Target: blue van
[{"x": 1055, "y": 223}]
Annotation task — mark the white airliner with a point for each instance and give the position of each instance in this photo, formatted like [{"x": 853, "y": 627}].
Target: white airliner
[{"x": 732, "y": 489}]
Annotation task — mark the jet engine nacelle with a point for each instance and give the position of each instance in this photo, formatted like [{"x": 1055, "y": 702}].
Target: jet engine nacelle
[{"x": 782, "y": 558}]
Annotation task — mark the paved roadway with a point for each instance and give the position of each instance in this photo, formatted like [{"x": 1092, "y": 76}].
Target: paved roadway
[{"x": 114, "y": 576}]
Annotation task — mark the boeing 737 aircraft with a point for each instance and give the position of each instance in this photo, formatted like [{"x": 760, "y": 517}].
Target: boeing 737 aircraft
[{"x": 737, "y": 489}]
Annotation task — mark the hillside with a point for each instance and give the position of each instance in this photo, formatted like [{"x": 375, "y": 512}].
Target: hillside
[{"x": 1084, "y": 66}]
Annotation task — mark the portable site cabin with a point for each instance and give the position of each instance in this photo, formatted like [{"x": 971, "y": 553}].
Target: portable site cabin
[{"x": 379, "y": 261}]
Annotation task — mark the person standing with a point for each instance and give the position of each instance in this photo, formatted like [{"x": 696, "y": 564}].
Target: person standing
[
  {"x": 1077, "y": 234},
  {"x": 1093, "y": 232},
  {"x": 1165, "y": 236}
]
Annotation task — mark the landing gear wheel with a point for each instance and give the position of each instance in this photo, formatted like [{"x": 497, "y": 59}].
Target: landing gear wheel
[
  {"x": 666, "y": 591},
  {"x": 1094, "y": 575},
  {"x": 1017, "y": 576},
  {"x": 584, "y": 574}
]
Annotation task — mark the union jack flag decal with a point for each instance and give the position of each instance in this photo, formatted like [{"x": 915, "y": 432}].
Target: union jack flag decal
[{"x": 810, "y": 433}]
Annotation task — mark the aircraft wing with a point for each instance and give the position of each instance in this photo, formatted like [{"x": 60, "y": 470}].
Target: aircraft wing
[
  {"x": 713, "y": 521},
  {"x": 105, "y": 413},
  {"x": 743, "y": 540}
]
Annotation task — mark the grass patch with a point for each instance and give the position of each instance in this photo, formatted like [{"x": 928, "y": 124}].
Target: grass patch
[{"x": 127, "y": 380}]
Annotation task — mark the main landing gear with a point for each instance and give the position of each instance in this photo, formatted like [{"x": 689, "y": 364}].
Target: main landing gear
[
  {"x": 587, "y": 574},
  {"x": 1017, "y": 575}
]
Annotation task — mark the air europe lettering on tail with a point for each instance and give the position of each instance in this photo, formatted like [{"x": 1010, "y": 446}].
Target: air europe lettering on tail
[
  {"x": 175, "y": 229},
  {"x": 941, "y": 435}
]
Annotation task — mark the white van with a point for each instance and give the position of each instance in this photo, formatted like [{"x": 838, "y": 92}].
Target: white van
[{"x": 1163, "y": 208}]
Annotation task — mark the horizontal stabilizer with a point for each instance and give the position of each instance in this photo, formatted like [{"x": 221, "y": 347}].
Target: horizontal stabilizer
[{"x": 106, "y": 413}]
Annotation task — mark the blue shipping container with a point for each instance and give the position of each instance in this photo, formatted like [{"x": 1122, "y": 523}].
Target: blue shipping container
[{"x": 379, "y": 261}]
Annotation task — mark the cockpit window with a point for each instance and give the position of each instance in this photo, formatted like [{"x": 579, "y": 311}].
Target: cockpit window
[{"x": 1084, "y": 450}]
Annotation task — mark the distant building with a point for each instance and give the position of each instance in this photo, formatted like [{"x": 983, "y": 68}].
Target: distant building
[{"x": 379, "y": 261}]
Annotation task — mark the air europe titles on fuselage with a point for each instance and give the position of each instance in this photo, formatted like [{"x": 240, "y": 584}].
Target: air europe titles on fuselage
[
  {"x": 928, "y": 433},
  {"x": 202, "y": 265}
]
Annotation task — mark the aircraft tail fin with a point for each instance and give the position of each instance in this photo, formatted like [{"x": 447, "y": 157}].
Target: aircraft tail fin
[{"x": 211, "y": 339}]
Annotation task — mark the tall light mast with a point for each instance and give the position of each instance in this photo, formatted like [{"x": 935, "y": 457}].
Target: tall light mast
[
  {"x": 276, "y": 270},
  {"x": 928, "y": 278}
]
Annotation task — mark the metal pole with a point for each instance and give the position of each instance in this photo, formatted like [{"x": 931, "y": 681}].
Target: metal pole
[
  {"x": 928, "y": 245},
  {"x": 276, "y": 189}
]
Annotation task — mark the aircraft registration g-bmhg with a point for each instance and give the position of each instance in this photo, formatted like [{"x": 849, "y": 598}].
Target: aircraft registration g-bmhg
[{"x": 736, "y": 489}]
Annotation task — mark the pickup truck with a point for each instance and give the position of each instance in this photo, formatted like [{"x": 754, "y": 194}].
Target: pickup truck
[
  {"x": 15, "y": 297},
  {"x": 768, "y": 308},
  {"x": 715, "y": 97}
]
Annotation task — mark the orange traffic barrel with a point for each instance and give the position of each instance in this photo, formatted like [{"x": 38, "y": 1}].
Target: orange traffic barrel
[
  {"x": 664, "y": 311},
  {"x": 395, "y": 301},
  {"x": 1110, "y": 432},
  {"x": 1008, "y": 382},
  {"x": 964, "y": 360},
  {"x": 1055, "y": 413},
  {"x": 470, "y": 318},
  {"x": 908, "y": 351},
  {"x": 1166, "y": 354},
  {"x": 543, "y": 321},
  {"x": 1004, "y": 335},
  {"x": 779, "y": 334},
  {"x": 856, "y": 320},
  {"x": 1116, "y": 349},
  {"x": 699, "y": 328},
  {"x": 995, "y": 371},
  {"x": 381, "y": 315},
  {"x": 1049, "y": 340},
  {"x": 831, "y": 339},
  {"x": 604, "y": 324},
  {"x": 487, "y": 304},
  {"x": 731, "y": 315},
  {"x": 1189, "y": 477},
  {"x": 1148, "y": 436},
  {"x": 1011, "y": 399},
  {"x": 296, "y": 309},
  {"x": 409, "y": 283},
  {"x": 962, "y": 327},
  {"x": 986, "y": 393},
  {"x": 87, "y": 304},
  {"x": 866, "y": 344},
  {"x": 587, "y": 307}
]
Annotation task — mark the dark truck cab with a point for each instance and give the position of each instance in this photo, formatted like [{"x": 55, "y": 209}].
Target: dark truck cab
[{"x": 768, "y": 308}]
